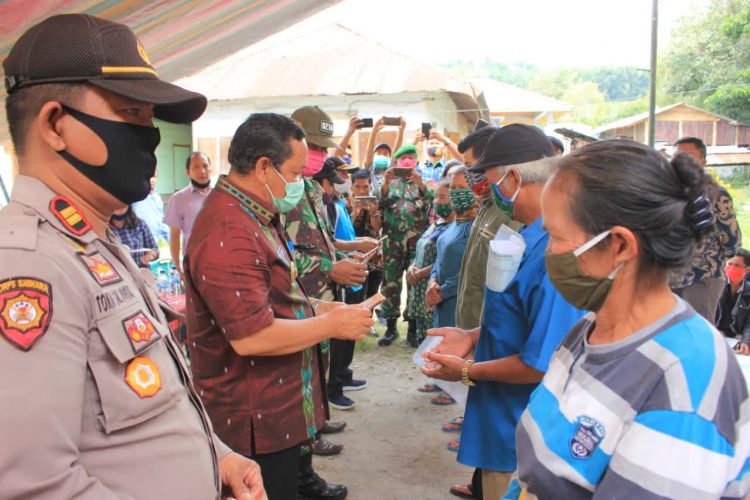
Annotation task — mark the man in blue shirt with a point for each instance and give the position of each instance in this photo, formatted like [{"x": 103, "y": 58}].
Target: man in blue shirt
[{"x": 522, "y": 325}]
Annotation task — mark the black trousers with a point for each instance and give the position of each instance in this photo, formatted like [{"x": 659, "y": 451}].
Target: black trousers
[
  {"x": 279, "y": 471},
  {"x": 342, "y": 352},
  {"x": 374, "y": 279}
]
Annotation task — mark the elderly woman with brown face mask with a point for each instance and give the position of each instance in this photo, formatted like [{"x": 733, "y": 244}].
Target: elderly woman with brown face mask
[{"x": 644, "y": 398}]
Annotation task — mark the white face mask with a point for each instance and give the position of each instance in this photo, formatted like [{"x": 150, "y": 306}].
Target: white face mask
[{"x": 345, "y": 187}]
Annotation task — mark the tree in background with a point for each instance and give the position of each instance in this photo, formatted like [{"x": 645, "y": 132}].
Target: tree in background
[{"x": 708, "y": 59}]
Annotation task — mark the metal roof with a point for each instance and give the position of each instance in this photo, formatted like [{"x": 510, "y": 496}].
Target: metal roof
[
  {"x": 642, "y": 117},
  {"x": 331, "y": 60},
  {"x": 505, "y": 98}
]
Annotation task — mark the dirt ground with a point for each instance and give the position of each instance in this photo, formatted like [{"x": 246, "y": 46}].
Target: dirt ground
[{"x": 393, "y": 445}]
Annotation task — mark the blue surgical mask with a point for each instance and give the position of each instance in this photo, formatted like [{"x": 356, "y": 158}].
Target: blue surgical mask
[
  {"x": 503, "y": 202},
  {"x": 381, "y": 162},
  {"x": 293, "y": 192}
]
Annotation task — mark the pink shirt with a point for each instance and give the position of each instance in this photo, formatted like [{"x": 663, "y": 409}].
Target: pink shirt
[{"x": 183, "y": 208}]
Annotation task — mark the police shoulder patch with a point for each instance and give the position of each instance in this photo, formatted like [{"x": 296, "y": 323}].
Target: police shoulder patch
[
  {"x": 100, "y": 268},
  {"x": 25, "y": 310},
  {"x": 69, "y": 215}
]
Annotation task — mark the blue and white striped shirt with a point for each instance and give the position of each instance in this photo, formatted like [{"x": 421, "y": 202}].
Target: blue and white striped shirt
[{"x": 662, "y": 414}]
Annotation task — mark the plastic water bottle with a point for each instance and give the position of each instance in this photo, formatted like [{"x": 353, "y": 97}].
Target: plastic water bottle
[
  {"x": 162, "y": 283},
  {"x": 175, "y": 282}
]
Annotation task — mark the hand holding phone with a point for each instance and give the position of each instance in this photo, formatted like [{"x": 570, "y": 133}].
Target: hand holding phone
[
  {"x": 426, "y": 127},
  {"x": 392, "y": 121},
  {"x": 402, "y": 172},
  {"x": 365, "y": 123}
]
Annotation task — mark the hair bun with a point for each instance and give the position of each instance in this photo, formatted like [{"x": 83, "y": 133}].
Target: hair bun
[{"x": 695, "y": 184}]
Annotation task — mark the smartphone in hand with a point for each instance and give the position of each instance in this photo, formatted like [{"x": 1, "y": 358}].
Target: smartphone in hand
[
  {"x": 373, "y": 301},
  {"x": 392, "y": 121},
  {"x": 366, "y": 123},
  {"x": 402, "y": 172}
]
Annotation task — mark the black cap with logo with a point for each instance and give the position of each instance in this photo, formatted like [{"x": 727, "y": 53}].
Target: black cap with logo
[
  {"x": 72, "y": 48},
  {"x": 513, "y": 145},
  {"x": 329, "y": 171}
]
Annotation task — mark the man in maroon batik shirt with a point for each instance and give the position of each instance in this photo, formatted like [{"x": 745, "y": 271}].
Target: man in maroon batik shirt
[{"x": 252, "y": 331}]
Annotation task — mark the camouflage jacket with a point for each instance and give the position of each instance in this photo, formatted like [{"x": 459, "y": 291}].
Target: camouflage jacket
[
  {"x": 710, "y": 255},
  {"x": 308, "y": 227},
  {"x": 405, "y": 209}
]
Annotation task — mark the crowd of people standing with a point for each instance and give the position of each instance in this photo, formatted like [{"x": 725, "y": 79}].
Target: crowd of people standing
[{"x": 575, "y": 296}]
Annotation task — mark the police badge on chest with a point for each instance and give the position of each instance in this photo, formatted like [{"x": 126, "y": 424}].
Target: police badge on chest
[{"x": 587, "y": 437}]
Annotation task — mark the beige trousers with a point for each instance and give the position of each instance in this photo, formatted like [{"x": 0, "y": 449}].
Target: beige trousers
[{"x": 494, "y": 484}]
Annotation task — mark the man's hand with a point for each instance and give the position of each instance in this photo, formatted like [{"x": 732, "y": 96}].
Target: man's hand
[
  {"x": 411, "y": 278},
  {"x": 742, "y": 348},
  {"x": 355, "y": 123},
  {"x": 443, "y": 366},
  {"x": 148, "y": 257},
  {"x": 456, "y": 342},
  {"x": 433, "y": 297},
  {"x": 378, "y": 125},
  {"x": 350, "y": 322},
  {"x": 348, "y": 272},
  {"x": 434, "y": 134},
  {"x": 365, "y": 244},
  {"x": 242, "y": 476},
  {"x": 325, "y": 306},
  {"x": 416, "y": 178},
  {"x": 418, "y": 138},
  {"x": 402, "y": 126}
]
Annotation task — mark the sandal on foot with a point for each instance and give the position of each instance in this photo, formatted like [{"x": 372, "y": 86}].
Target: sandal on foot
[
  {"x": 428, "y": 388},
  {"x": 453, "y": 445},
  {"x": 462, "y": 491},
  {"x": 442, "y": 400},
  {"x": 453, "y": 425}
]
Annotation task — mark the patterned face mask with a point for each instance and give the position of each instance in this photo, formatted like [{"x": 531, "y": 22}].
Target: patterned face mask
[{"x": 463, "y": 199}]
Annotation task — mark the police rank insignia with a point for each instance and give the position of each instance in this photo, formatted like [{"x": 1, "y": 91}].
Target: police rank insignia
[
  {"x": 587, "y": 437},
  {"x": 142, "y": 376},
  {"x": 68, "y": 214},
  {"x": 25, "y": 310},
  {"x": 102, "y": 271},
  {"x": 141, "y": 331}
]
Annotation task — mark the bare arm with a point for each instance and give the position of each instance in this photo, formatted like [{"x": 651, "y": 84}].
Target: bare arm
[
  {"x": 400, "y": 136},
  {"x": 287, "y": 336},
  {"x": 354, "y": 124},
  {"x": 509, "y": 370},
  {"x": 175, "y": 247},
  {"x": 369, "y": 153}
]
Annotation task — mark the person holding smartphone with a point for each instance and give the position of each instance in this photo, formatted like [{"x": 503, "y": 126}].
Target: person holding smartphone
[
  {"x": 368, "y": 221},
  {"x": 405, "y": 200}
]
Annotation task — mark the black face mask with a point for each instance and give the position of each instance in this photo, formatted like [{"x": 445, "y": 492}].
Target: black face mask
[
  {"x": 199, "y": 185},
  {"x": 131, "y": 161}
]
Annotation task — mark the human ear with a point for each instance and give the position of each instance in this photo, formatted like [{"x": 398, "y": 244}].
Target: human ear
[
  {"x": 49, "y": 126},
  {"x": 624, "y": 245}
]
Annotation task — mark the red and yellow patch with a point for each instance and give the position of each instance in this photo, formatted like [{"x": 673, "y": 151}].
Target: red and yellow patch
[
  {"x": 25, "y": 310},
  {"x": 141, "y": 331},
  {"x": 139, "y": 328},
  {"x": 102, "y": 271},
  {"x": 69, "y": 215},
  {"x": 142, "y": 375}
]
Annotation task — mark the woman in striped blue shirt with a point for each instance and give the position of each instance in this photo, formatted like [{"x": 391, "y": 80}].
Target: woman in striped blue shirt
[{"x": 644, "y": 398}]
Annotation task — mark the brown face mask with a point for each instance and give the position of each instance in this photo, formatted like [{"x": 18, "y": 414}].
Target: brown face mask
[{"x": 581, "y": 290}]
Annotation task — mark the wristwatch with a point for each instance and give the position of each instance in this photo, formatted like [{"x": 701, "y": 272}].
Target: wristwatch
[{"x": 465, "y": 373}]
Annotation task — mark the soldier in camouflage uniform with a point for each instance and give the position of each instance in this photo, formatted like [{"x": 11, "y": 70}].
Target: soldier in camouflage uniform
[
  {"x": 315, "y": 257},
  {"x": 405, "y": 203}
]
